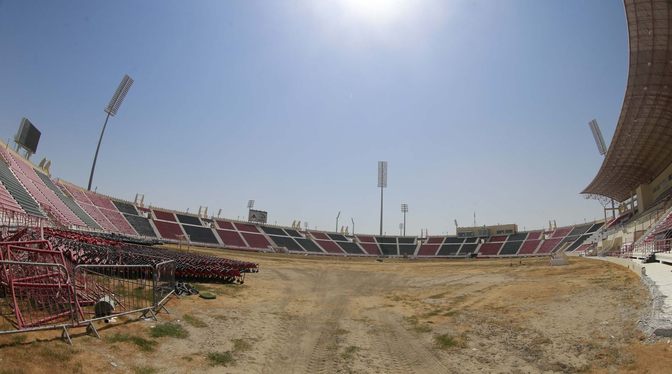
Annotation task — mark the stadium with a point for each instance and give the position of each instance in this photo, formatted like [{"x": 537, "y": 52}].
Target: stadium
[{"x": 93, "y": 281}]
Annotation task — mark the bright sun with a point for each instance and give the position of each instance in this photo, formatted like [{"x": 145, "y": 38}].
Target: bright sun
[{"x": 379, "y": 12}]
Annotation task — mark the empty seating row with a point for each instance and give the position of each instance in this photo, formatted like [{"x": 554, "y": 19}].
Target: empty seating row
[
  {"x": 18, "y": 193},
  {"x": 67, "y": 200},
  {"x": 97, "y": 213},
  {"x": 110, "y": 211},
  {"x": 44, "y": 196},
  {"x": 7, "y": 202},
  {"x": 141, "y": 225}
]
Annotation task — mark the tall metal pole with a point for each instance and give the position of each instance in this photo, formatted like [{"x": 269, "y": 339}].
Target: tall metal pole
[
  {"x": 381, "y": 211},
  {"x": 382, "y": 183},
  {"x": 95, "y": 158},
  {"x": 353, "y": 226},
  {"x": 404, "y": 210},
  {"x": 337, "y": 216},
  {"x": 111, "y": 110}
]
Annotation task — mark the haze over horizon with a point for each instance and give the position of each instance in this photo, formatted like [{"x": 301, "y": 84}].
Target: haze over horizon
[{"x": 478, "y": 106}]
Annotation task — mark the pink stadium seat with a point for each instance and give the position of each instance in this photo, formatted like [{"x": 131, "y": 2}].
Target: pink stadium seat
[
  {"x": 108, "y": 219},
  {"x": 330, "y": 246},
  {"x": 529, "y": 246},
  {"x": 165, "y": 216},
  {"x": 548, "y": 245},
  {"x": 231, "y": 238},
  {"x": 7, "y": 201},
  {"x": 435, "y": 240},
  {"x": 428, "y": 249},
  {"x": 255, "y": 240},
  {"x": 319, "y": 235},
  {"x": 224, "y": 224},
  {"x": 246, "y": 227},
  {"x": 561, "y": 232},
  {"x": 39, "y": 191},
  {"x": 534, "y": 235},
  {"x": 498, "y": 238},
  {"x": 169, "y": 230},
  {"x": 100, "y": 200},
  {"x": 366, "y": 239},
  {"x": 489, "y": 249},
  {"x": 370, "y": 248}
]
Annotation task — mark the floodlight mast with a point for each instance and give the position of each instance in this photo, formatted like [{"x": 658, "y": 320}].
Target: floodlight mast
[
  {"x": 597, "y": 135},
  {"x": 382, "y": 183},
  {"x": 337, "y": 217},
  {"x": 404, "y": 209},
  {"x": 602, "y": 149},
  {"x": 111, "y": 110}
]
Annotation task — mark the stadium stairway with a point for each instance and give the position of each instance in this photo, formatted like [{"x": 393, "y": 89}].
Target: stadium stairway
[
  {"x": 18, "y": 192},
  {"x": 67, "y": 200},
  {"x": 44, "y": 196}
]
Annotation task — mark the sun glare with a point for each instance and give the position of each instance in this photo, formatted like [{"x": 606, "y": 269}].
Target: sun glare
[{"x": 379, "y": 12}]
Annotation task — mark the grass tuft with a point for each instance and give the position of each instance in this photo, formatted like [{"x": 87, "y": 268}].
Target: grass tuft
[
  {"x": 169, "y": 329},
  {"x": 447, "y": 341},
  {"x": 194, "y": 321},
  {"x": 220, "y": 358},
  {"x": 241, "y": 345},
  {"x": 417, "y": 325},
  {"x": 144, "y": 370},
  {"x": 145, "y": 345},
  {"x": 349, "y": 352}
]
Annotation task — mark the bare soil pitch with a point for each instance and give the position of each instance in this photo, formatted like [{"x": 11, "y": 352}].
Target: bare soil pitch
[{"x": 343, "y": 315}]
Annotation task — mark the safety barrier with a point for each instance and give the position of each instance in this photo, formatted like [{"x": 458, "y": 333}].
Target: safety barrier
[
  {"x": 35, "y": 296},
  {"x": 39, "y": 296}
]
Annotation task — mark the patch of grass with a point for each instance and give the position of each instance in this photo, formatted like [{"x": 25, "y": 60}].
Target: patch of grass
[
  {"x": 340, "y": 331},
  {"x": 58, "y": 352},
  {"x": 241, "y": 345},
  {"x": 145, "y": 345},
  {"x": 432, "y": 313},
  {"x": 439, "y": 295},
  {"x": 194, "y": 321},
  {"x": 12, "y": 371},
  {"x": 447, "y": 341},
  {"x": 395, "y": 298},
  {"x": 169, "y": 329},
  {"x": 18, "y": 339},
  {"x": 220, "y": 358},
  {"x": 144, "y": 370},
  {"x": 349, "y": 352},
  {"x": 417, "y": 325}
]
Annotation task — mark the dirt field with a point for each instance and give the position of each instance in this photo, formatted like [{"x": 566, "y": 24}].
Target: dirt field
[{"x": 339, "y": 315}]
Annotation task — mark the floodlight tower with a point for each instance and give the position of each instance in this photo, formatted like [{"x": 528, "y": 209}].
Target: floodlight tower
[
  {"x": 382, "y": 183},
  {"x": 404, "y": 209},
  {"x": 602, "y": 149},
  {"x": 250, "y": 206},
  {"x": 337, "y": 217},
  {"x": 597, "y": 135},
  {"x": 111, "y": 110}
]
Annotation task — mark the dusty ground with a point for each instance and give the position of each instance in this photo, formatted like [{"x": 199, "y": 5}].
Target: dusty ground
[{"x": 339, "y": 315}]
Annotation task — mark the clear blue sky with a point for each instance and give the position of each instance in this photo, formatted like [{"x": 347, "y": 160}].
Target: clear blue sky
[{"x": 477, "y": 105}]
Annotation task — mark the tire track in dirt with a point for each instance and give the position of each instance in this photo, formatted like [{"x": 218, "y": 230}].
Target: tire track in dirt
[
  {"x": 403, "y": 350},
  {"x": 282, "y": 328}
]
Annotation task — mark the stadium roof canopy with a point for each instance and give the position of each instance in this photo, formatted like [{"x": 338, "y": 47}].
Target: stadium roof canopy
[{"x": 641, "y": 148}]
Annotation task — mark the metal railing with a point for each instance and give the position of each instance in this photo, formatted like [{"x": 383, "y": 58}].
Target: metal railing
[
  {"x": 40, "y": 296},
  {"x": 36, "y": 296}
]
